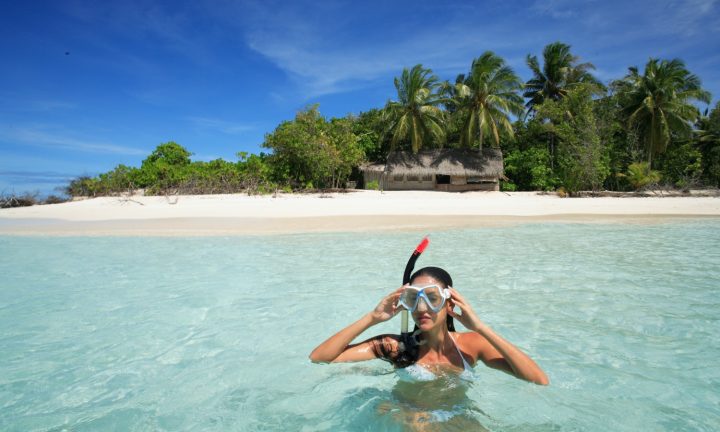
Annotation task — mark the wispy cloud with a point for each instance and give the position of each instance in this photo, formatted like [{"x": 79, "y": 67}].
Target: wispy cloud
[
  {"x": 559, "y": 9},
  {"x": 43, "y": 137},
  {"x": 690, "y": 17},
  {"x": 226, "y": 127},
  {"x": 15, "y": 102},
  {"x": 315, "y": 54},
  {"x": 44, "y": 177},
  {"x": 631, "y": 20},
  {"x": 173, "y": 28}
]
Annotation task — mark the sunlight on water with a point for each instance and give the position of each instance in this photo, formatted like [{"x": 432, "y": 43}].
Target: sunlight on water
[{"x": 213, "y": 333}]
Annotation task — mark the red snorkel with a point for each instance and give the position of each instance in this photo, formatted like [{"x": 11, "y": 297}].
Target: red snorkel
[
  {"x": 409, "y": 344},
  {"x": 406, "y": 278}
]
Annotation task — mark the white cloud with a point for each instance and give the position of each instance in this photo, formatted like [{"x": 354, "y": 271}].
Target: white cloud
[
  {"x": 172, "y": 27},
  {"x": 321, "y": 61},
  {"x": 223, "y": 126},
  {"x": 17, "y": 102},
  {"x": 42, "y": 137},
  {"x": 559, "y": 9},
  {"x": 49, "y": 177}
]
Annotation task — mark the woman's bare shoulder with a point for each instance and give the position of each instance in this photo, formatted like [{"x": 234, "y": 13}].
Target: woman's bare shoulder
[{"x": 471, "y": 341}]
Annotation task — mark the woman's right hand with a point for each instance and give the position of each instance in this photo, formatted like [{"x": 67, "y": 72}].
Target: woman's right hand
[{"x": 388, "y": 306}]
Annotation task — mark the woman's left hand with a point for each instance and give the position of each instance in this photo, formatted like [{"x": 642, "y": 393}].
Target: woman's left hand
[{"x": 467, "y": 317}]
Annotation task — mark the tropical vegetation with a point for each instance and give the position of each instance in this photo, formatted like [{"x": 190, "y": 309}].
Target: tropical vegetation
[
  {"x": 415, "y": 115},
  {"x": 563, "y": 129},
  {"x": 485, "y": 99}
]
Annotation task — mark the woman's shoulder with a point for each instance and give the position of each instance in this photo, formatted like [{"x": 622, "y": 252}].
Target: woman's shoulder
[{"x": 471, "y": 342}]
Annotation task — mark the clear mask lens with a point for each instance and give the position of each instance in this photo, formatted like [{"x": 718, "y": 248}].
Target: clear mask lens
[{"x": 432, "y": 295}]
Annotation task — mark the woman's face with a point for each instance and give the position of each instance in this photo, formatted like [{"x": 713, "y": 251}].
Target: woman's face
[{"x": 423, "y": 316}]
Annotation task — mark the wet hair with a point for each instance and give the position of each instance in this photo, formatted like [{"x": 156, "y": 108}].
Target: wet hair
[
  {"x": 385, "y": 347},
  {"x": 441, "y": 276}
]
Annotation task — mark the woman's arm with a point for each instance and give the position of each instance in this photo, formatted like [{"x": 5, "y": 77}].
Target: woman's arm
[
  {"x": 493, "y": 349},
  {"x": 338, "y": 349}
]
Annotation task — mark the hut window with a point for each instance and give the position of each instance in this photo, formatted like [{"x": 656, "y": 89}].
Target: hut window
[
  {"x": 398, "y": 177},
  {"x": 427, "y": 177},
  {"x": 443, "y": 179},
  {"x": 413, "y": 178}
]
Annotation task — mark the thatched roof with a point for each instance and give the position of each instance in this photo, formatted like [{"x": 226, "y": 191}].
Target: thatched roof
[
  {"x": 455, "y": 162},
  {"x": 369, "y": 167}
]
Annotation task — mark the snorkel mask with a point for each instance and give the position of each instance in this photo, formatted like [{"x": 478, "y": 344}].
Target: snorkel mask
[{"x": 434, "y": 297}]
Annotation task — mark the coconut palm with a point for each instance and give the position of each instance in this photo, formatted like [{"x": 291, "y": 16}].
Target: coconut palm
[
  {"x": 658, "y": 102},
  {"x": 416, "y": 113},
  {"x": 560, "y": 72},
  {"x": 485, "y": 98},
  {"x": 708, "y": 140}
]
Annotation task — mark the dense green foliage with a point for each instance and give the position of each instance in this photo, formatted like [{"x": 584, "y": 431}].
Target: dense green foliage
[
  {"x": 572, "y": 134},
  {"x": 658, "y": 103},
  {"x": 580, "y": 159},
  {"x": 416, "y": 115},
  {"x": 311, "y": 152},
  {"x": 169, "y": 170},
  {"x": 708, "y": 141},
  {"x": 559, "y": 74},
  {"x": 640, "y": 175},
  {"x": 484, "y": 100}
]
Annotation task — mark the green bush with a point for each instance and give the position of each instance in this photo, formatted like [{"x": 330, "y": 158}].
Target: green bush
[
  {"x": 83, "y": 186},
  {"x": 640, "y": 175},
  {"x": 311, "y": 152},
  {"x": 681, "y": 164},
  {"x": 530, "y": 169},
  {"x": 54, "y": 199},
  {"x": 581, "y": 158},
  {"x": 508, "y": 186},
  {"x": 372, "y": 185}
]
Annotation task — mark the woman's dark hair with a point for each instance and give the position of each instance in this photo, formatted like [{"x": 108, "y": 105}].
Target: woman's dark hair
[
  {"x": 397, "y": 354},
  {"x": 441, "y": 276}
]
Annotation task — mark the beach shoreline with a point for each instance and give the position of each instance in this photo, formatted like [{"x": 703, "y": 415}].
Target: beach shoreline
[{"x": 238, "y": 214}]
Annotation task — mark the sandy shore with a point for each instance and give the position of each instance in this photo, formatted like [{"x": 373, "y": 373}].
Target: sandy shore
[{"x": 353, "y": 211}]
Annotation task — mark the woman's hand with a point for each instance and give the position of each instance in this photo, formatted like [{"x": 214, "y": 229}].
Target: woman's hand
[
  {"x": 388, "y": 307},
  {"x": 467, "y": 315}
]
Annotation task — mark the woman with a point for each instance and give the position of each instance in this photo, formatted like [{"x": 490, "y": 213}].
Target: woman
[{"x": 432, "y": 300}]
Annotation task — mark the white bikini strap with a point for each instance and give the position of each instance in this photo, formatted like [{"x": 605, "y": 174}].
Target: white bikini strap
[{"x": 466, "y": 365}]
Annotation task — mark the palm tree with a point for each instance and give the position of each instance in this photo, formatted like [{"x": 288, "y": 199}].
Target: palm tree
[
  {"x": 708, "y": 140},
  {"x": 659, "y": 102},
  {"x": 416, "y": 113},
  {"x": 559, "y": 73},
  {"x": 486, "y": 98}
]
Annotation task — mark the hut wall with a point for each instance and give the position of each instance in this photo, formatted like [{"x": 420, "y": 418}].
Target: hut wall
[
  {"x": 369, "y": 176},
  {"x": 490, "y": 186},
  {"x": 409, "y": 182},
  {"x": 458, "y": 180}
]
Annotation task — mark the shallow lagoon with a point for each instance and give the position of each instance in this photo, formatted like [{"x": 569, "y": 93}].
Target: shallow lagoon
[{"x": 213, "y": 333}]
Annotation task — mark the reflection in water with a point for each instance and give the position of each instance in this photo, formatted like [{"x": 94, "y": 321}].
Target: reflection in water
[{"x": 438, "y": 405}]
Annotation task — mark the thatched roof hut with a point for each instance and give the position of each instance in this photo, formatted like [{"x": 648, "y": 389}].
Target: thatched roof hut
[
  {"x": 444, "y": 169},
  {"x": 453, "y": 162}
]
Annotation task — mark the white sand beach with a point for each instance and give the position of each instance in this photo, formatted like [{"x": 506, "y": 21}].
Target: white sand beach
[{"x": 352, "y": 211}]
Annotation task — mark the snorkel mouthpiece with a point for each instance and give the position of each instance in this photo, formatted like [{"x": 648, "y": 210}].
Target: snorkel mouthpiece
[
  {"x": 409, "y": 344},
  {"x": 411, "y": 265}
]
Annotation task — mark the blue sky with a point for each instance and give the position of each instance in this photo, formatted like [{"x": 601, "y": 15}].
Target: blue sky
[{"x": 86, "y": 85}]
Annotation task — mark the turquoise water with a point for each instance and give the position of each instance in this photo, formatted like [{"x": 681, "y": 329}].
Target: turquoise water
[{"x": 213, "y": 333}]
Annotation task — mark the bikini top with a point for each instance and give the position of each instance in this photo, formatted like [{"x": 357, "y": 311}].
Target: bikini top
[{"x": 417, "y": 372}]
